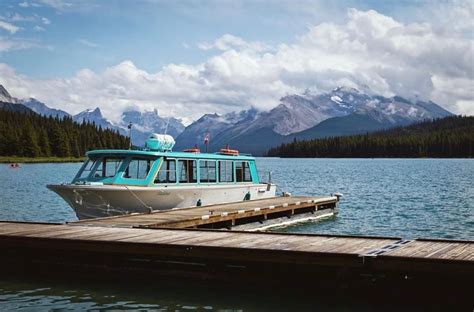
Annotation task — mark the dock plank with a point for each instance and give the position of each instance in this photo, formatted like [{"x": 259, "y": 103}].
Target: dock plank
[
  {"x": 19, "y": 228},
  {"x": 194, "y": 216},
  {"x": 463, "y": 251}
]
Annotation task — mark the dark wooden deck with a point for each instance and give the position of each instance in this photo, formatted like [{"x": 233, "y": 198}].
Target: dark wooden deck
[{"x": 227, "y": 255}]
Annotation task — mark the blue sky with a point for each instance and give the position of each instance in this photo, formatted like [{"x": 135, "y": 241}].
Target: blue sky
[
  {"x": 47, "y": 44},
  {"x": 98, "y": 34}
]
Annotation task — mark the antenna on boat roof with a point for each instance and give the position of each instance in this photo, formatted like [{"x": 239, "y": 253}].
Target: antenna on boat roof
[
  {"x": 206, "y": 141},
  {"x": 130, "y": 135}
]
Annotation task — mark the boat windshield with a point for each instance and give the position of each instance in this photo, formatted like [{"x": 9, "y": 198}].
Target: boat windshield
[
  {"x": 86, "y": 169},
  {"x": 99, "y": 168},
  {"x": 108, "y": 167}
]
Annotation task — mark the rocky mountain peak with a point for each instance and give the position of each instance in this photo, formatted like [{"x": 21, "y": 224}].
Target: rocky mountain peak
[
  {"x": 5, "y": 96},
  {"x": 96, "y": 112},
  {"x": 148, "y": 122},
  {"x": 95, "y": 116},
  {"x": 345, "y": 89},
  {"x": 42, "y": 109}
]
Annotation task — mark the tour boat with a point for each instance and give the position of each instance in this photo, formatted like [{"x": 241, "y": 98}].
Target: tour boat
[{"x": 117, "y": 182}]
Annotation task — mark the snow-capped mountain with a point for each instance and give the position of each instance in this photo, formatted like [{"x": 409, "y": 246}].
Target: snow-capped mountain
[
  {"x": 94, "y": 116},
  {"x": 143, "y": 123},
  {"x": 212, "y": 125},
  {"x": 6, "y": 97},
  {"x": 342, "y": 111},
  {"x": 42, "y": 109},
  {"x": 150, "y": 122},
  {"x": 10, "y": 103},
  {"x": 27, "y": 105}
]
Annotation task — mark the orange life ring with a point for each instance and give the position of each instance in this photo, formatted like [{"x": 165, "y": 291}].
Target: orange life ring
[
  {"x": 228, "y": 151},
  {"x": 192, "y": 150}
]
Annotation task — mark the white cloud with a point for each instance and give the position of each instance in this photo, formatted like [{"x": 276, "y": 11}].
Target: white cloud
[
  {"x": 9, "y": 27},
  {"x": 56, "y": 4},
  {"x": 24, "y": 4},
  {"x": 38, "y": 28},
  {"x": 229, "y": 42},
  {"x": 466, "y": 107},
  {"x": 368, "y": 49},
  {"x": 87, "y": 43},
  {"x": 8, "y": 44},
  {"x": 45, "y": 21},
  {"x": 15, "y": 17},
  {"x": 454, "y": 14}
]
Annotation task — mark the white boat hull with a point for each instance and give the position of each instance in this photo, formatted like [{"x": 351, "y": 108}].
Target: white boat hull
[{"x": 94, "y": 201}]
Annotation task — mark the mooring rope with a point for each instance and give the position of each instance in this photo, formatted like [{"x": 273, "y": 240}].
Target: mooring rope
[{"x": 138, "y": 198}]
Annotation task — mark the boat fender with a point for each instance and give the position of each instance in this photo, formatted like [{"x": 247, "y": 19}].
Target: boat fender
[{"x": 247, "y": 196}]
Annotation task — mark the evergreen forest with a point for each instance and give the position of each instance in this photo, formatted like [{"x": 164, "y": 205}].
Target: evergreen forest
[
  {"x": 26, "y": 134},
  {"x": 448, "y": 137}
]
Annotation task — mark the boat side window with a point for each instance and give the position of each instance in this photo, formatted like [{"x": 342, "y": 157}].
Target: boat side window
[
  {"x": 242, "y": 171},
  {"x": 207, "y": 171},
  {"x": 226, "y": 171},
  {"x": 138, "y": 168},
  {"x": 187, "y": 171},
  {"x": 108, "y": 167},
  {"x": 167, "y": 173}
]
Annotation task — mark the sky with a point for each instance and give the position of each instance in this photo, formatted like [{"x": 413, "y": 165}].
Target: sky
[{"x": 187, "y": 58}]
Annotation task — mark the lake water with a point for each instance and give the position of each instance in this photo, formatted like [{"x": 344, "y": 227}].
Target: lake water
[{"x": 396, "y": 197}]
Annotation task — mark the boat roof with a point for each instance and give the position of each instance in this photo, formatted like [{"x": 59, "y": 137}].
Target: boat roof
[{"x": 168, "y": 154}]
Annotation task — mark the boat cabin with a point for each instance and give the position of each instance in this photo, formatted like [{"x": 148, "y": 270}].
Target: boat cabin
[{"x": 150, "y": 168}]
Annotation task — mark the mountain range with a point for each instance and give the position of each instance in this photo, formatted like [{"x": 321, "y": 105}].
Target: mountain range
[
  {"x": 343, "y": 111},
  {"x": 143, "y": 123}
]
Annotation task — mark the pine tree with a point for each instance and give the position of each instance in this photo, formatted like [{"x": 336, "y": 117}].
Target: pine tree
[
  {"x": 44, "y": 143},
  {"x": 29, "y": 143},
  {"x": 447, "y": 137}
]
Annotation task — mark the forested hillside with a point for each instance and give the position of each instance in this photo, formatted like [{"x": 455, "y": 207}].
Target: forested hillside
[
  {"x": 31, "y": 135},
  {"x": 447, "y": 137}
]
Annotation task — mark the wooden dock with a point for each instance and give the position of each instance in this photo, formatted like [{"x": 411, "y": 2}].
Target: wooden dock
[
  {"x": 179, "y": 244},
  {"x": 258, "y": 213},
  {"x": 235, "y": 255}
]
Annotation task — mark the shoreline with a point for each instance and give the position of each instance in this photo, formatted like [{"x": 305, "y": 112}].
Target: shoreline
[{"x": 39, "y": 160}]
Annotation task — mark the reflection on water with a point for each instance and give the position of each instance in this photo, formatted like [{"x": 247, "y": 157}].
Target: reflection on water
[
  {"x": 407, "y": 198},
  {"x": 44, "y": 295}
]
